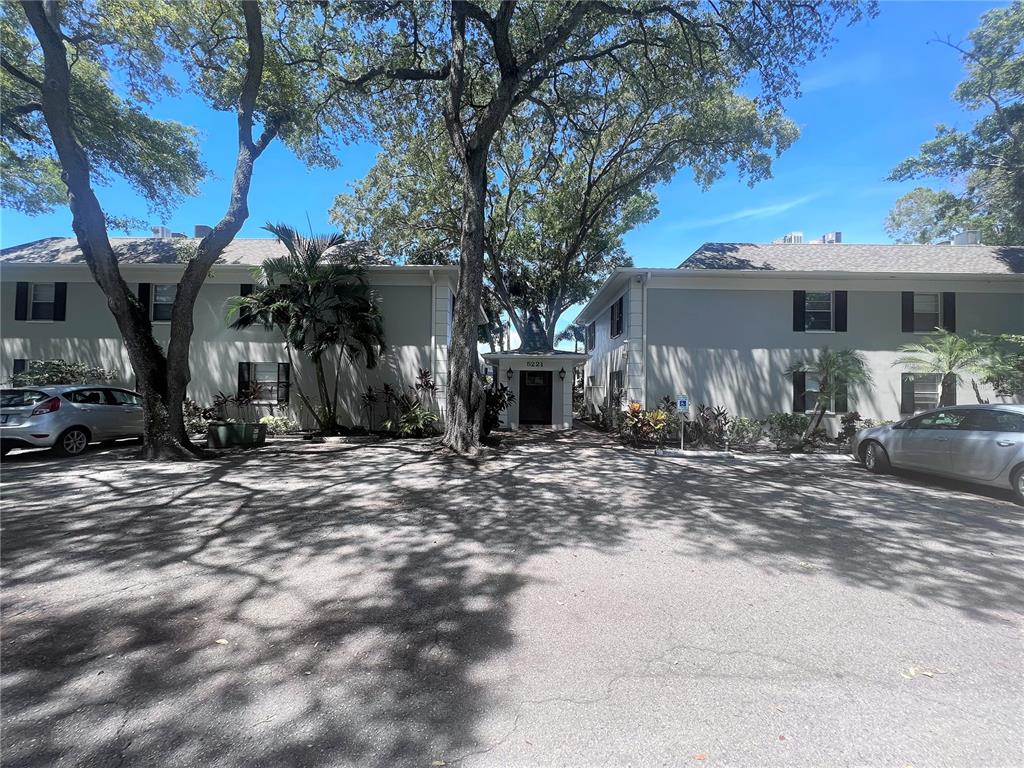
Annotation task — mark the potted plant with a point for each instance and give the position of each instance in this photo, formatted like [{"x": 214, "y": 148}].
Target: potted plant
[{"x": 243, "y": 430}]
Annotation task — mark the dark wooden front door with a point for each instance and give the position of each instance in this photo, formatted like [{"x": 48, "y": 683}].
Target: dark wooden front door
[{"x": 535, "y": 397}]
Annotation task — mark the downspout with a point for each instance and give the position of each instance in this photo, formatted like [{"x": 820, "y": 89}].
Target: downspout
[
  {"x": 432, "y": 318},
  {"x": 643, "y": 354}
]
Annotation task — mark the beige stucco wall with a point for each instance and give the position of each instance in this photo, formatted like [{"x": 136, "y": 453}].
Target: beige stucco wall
[
  {"x": 732, "y": 347},
  {"x": 415, "y": 305}
]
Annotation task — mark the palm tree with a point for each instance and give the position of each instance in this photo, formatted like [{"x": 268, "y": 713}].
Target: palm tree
[
  {"x": 837, "y": 371},
  {"x": 320, "y": 302},
  {"x": 575, "y": 333},
  {"x": 947, "y": 354}
]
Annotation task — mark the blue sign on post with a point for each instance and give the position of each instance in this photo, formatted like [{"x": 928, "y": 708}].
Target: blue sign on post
[{"x": 683, "y": 406}]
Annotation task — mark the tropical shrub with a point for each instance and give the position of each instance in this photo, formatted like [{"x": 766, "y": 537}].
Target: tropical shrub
[
  {"x": 39, "y": 373},
  {"x": 786, "y": 430},
  {"x": 612, "y": 416},
  {"x": 949, "y": 355},
  {"x": 710, "y": 427},
  {"x": 242, "y": 408},
  {"x": 642, "y": 427},
  {"x": 744, "y": 432},
  {"x": 496, "y": 400},
  {"x": 1002, "y": 364},
  {"x": 415, "y": 420},
  {"x": 369, "y": 400},
  {"x": 321, "y": 302},
  {"x": 197, "y": 418},
  {"x": 280, "y": 425},
  {"x": 839, "y": 372}
]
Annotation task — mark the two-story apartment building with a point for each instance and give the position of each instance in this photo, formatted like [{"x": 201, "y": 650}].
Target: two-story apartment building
[
  {"x": 726, "y": 324},
  {"x": 51, "y": 308}
]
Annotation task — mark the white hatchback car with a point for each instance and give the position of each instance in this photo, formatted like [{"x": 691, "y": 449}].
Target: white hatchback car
[
  {"x": 978, "y": 443},
  {"x": 67, "y": 418}
]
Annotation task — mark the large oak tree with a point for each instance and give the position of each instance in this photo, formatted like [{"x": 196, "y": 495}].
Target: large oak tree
[
  {"x": 984, "y": 164},
  {"x": 232, "y": 63},
  {"x": 569, "y": 175},
  {"x": 475, "y": 64}
]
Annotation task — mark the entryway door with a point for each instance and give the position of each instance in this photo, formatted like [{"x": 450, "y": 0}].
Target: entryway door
[{"x": 535, "y": 397}]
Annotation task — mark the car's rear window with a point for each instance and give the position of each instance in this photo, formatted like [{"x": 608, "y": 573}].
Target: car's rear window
[{"x": 15, "y": 398}]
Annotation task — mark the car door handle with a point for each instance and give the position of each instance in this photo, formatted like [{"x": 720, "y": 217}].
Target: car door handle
[{"x": 1005, "y": 443}]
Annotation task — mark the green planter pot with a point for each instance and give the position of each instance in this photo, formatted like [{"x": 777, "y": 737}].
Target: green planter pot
[{"x": 236, "y": 435}]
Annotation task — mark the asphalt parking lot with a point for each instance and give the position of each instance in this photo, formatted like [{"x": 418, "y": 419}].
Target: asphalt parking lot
[{"x": 567, "y": 602}]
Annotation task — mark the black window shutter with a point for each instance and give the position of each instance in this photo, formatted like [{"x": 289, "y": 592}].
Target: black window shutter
[
  {"x": 284, "y": 379},
  {"x": 244, "y": 379},
  {"x": 800, "y": 312},
  {"x": 60, "y": 300},
  {"x": 949, "y": 311},
  {"x": 21, "y": 302},
  {"x": 907, "y": 404},
  {"x": 20, "y": 364},
  {"x": 799, "y": 390},
  {"x": 840, "y": 311},
  {"x": 908, "y": 311},
  {"x": 144, "y": 298},
  {"x": 245, "y": 289},
  {"x": 842, "y": 401}
]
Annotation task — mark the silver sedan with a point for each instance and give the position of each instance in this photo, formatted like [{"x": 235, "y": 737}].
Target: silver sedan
[
  {"x": 978, "y": 443},
  {"x": 67, "y": 418}
]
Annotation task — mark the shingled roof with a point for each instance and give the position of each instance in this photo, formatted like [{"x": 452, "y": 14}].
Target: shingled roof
[
  {"x": 849, "y": 257},
  {"x": 150, "y": 250}
]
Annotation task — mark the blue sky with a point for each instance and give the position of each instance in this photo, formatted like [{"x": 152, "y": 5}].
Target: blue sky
[{"x": 866, "y": 105}]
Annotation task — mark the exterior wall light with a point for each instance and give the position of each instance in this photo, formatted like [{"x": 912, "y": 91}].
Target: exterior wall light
[
  {"x": 561, "y": 374},
  {"x": 508, "y": 374}
]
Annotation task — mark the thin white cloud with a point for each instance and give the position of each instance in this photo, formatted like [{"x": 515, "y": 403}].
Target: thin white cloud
[
  {"x": 746, "y": 214},
  {"x": 860, "y": 70}
]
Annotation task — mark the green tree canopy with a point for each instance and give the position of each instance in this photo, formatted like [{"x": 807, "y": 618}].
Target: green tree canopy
[
  {"x": 571, "y": 172},
  {"x": 985, "y": 164},
  {"x": 159, "y": 158},
  {"x": 235, "y": 56}
]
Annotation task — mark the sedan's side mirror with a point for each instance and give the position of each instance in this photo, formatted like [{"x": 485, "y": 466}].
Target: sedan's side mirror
[{"x": 900, "y": 425}]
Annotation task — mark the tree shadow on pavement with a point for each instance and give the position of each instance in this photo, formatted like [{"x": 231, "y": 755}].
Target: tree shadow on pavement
[{"x": 333, "y": 604}]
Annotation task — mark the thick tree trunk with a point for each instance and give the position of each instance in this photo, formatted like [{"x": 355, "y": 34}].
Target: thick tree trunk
[
  {"x": 815, "y": 422},
  {"x": 948, "y": 396},
  {"x": 89, "y": 224},
  {"x": 465, "y": 396},
  {"x": 162, "y": 380}
]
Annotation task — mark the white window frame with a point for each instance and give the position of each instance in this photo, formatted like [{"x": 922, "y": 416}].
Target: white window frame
[
  {"x": 32, "y": 302},
  {"x": 938, "y": 312},
  {"x": 918, "y": 377},
  {"x": 811, "y": 385},
  {"x": 831, "y": 312},
  {"x": 268, "y": 385},
  {"x": 153, "y": 302}
]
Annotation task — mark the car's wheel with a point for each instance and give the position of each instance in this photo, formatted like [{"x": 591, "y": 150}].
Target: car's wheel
[
  {"x": 875, "y": 458},
  {"x": 72, "y": 442},
  {"x": 1017, "y": 483}
]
